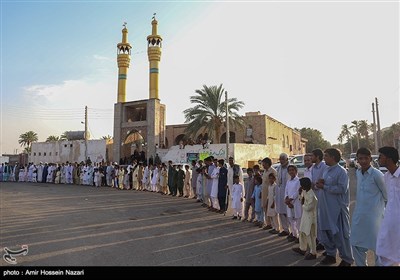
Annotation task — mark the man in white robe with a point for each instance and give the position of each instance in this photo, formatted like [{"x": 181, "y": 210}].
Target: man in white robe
[
  {"x": 63, "y": 174},
  {"x": 30, "y": 172},
  {"x": 109, "y": 174},
  {"x": 388, "y": 245},
  {"x": 214, "y": 189},
  {"x": 280, "y": 205},
  {"x": 309, "y": 165},
  {"x": 40, "y": 172},
  {"x": 69, "y": 173}
]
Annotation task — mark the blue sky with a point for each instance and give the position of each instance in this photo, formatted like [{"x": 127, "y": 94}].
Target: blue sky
[{"x": 312, "y": 64}]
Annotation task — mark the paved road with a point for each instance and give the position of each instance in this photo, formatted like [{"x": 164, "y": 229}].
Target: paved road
[{"x": 67, "y": 225}]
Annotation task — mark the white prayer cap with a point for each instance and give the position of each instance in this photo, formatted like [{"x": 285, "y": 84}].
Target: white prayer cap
[
  {"x": 40, "y": 162},
  {"x": 115, "y": 163}
]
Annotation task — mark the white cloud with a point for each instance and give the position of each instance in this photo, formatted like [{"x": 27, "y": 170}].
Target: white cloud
[
  {"x": 102, "y": 58},
  {"x": 56, "y": 108}
]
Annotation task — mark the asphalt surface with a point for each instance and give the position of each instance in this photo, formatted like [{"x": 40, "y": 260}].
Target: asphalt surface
[{"x": 69, "y": 225}]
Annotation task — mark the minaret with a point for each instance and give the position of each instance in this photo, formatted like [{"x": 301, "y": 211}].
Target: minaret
[
  {"x": 154, "y": 53},
  {"x": 124, "y": 58}
]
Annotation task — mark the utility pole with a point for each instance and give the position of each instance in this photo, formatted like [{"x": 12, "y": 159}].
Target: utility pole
[
  {"x": 379, "y": 124},
  {"x": 86, "y": 133},
  {"x": 227, "y": 127},
  {"x": 374, "y": 125}
]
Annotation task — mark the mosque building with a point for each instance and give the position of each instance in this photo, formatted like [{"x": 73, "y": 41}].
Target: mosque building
[
  {"x": 141, "y": 124},
  {"x": 138, "y": 124}
]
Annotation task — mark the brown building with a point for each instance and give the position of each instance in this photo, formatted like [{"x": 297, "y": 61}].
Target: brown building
[{"x": 259, "y": 129}]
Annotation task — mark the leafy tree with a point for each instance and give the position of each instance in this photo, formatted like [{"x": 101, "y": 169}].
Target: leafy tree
[
  {"x": 208, "y": 114},
  {"x": 52, "y": 138},
  {"x": 390, "y": 136},
  {"x": 26, "y": 139},
  {"x": 108, "y": 137},
  {"x": 315, "y": 139}
]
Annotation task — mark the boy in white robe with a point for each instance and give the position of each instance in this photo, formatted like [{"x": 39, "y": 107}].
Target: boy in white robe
[
  {"x": 293, "y": 203},
  {"x": 237, "y": 197},
  {"x": 308, "y": 224},
  {"x": 58, "y": 176},
  {"x": 97, "y": 177},
  {"x": 272, "y": 216}
]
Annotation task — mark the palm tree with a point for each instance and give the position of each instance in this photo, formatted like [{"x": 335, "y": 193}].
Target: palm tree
[
  {"x": 27, "y": 138},
  {"x": 347, "y": 133},
  {"x": 356, "y": 127},
  {"x": 364, "y": 129},
  {"x": 208, "y": 115},
  {"x": 108, "y": 137},
  {"x": 64, "y": 136},
  {"x": 52, "y": 138},
  {"x": 340, "y": 139}
]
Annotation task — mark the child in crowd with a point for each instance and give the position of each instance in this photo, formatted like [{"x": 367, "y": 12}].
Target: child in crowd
[
  {"x": 257, "y": 200},
  {"x": 237, "y": 198},
  {"x": 293, "y": 203},
  {"x": 308, "y": 224},
  {"x": 271, "y": 212}
]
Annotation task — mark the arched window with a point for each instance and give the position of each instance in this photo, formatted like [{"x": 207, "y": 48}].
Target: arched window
[
  {"x": 179, "y": 138},
  {"x": 232, "y": 137}
]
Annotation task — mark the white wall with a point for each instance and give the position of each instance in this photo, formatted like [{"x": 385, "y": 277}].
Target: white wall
[
  {"x": 4, "y": 159},
  {"x": 63, "y": 151},
  {"x": 242, "y": 153}
]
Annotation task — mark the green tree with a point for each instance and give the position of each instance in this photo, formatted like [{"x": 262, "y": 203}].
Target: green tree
[
  {"x": 390, "y": 136},
  {"x": 315, "y": 139},
  {"x": 208, "y": 114},
  {"x": 340, "y": 138},
  {"x": 356, "y": 126},
  {"x": 26, "y": 139},
  {"x": 346, "y": 133},
  {"x": 52, "y": 138},
  {"x": 364, "y": 129},
  {"x": 64, "y": 136}
]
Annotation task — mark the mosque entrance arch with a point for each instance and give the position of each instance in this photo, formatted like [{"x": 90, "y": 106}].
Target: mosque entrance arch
[{"x": 133, "y": 141}]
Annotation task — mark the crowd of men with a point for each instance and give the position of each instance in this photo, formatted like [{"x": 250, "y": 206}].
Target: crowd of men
[{"x": 312, "y": 211}]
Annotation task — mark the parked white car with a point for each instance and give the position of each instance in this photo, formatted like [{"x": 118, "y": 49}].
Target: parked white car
[
  {"x": 353, "y": 160},
  {"x": 298, "y": 161}
]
